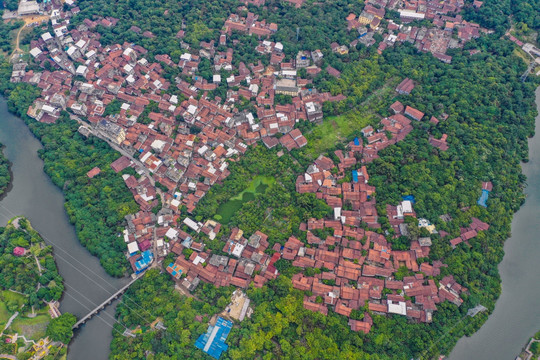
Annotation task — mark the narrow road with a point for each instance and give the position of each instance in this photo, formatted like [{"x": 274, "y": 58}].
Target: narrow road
[{"x": 99, "y": 134}]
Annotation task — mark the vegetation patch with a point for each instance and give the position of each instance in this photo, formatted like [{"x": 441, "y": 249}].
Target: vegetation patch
[
  {"x": 33, "y": 328},
  {"x": 257, "y": 186}
]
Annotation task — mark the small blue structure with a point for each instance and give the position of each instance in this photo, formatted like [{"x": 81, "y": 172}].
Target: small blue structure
[
  {"x": 187, "y": 242},
  {"x": 355, "y": 176},
  {"x": 409, "y": 198},
  {"x": 144, "y": 261},
  {"x": 483, "y": 198},
  {"x": 174, "y": 270},
  {"x": 213, "y": 342},
  {"x": 356, "y": 141}
]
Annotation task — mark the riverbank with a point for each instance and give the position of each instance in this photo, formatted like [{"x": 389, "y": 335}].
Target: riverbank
[
  {"x": 31, "y": 285},
  {"x": 531, "y": 351},
  {"x": 34, "y": 194},
  {"x": 516, "y": 314},
  {"x": 6, "y": 176},
  {"x": 97, "y": 206}
]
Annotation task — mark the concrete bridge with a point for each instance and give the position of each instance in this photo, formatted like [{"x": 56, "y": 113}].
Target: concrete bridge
[{"x": 104, "y": 304}]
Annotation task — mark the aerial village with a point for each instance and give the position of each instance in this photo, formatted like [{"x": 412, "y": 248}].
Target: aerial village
[
  {"x": 183, "y": 144},
  {"x": 448, "y": 31}
]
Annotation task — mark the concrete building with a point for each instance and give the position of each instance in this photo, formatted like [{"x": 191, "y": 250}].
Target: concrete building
[
  {"x": 286, "y": 87},
  {"x": 28, "y": 8}
]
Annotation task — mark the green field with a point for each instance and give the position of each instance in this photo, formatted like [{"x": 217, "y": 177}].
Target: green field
[
  {"x": 32, "y": 328},
  {"x": 9, "y": 296},
  {"x": 257, "y": 186},
  {"x": 6, "y": 298},
  {"x": 336, "y": 129},
  {"x": 4, "y": 314}
]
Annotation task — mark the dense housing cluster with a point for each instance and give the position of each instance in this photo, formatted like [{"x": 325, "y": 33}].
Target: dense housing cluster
[
  {"x": 448, "y": 31},
  {"x": 182, "y": 139}
]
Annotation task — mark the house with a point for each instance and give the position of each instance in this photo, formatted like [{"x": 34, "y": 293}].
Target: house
[
  {"x": 414, "y": 113},
  {"x": 120, "y": 164},
  {"x": 443, "y": 57},
  {"x": 314, "y": 111},
  {"x": 332, "y": 71},
  {"x": 405, "y": 87},
  {"x": 439, "y": 143},
  {"x": 142, "y": 262},
  {"x": 397, "y": 107},
  {"x": 95, "y": 171},
  {"x": 286, "y": 87},
  {"x": 174, "y": 270},
  {"x": 28, "y": 8},
  {"x": 302, "y": 59}
]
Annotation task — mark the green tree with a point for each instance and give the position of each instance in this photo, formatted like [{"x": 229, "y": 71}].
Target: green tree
[{"x": 60, "y": 328}]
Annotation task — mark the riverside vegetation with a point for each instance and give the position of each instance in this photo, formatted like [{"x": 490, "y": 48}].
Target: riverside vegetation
[{"x": 29, "y": 280}]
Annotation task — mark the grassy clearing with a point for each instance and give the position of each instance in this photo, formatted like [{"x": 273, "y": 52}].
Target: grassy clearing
[
  {"x": 4, "y": 314},
  {"x": 254, "y": 186},
  {"x": 257, "y": 186},
  {"x": 10, "y": 296},
  {"x": 32, "y": 328},
  {"x": 522, "y": 54},
  {"x": 339, "y": 128}
]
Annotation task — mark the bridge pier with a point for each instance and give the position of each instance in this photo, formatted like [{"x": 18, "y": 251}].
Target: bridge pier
[{"x": 104, "y": 304}]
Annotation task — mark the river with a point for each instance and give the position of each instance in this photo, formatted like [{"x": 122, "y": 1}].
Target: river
[
  {"x": 36, "y": 197},
  {"x": 517, "y": 315}
]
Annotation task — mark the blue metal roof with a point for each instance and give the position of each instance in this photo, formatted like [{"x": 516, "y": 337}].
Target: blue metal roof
[
  {"x": 144, "y": 260},
  {"x": 213, "y": 342},
  {"x": 356, "y": 141},
  {"x": 483, "y": 198},
  {"x": 355, "y": 176},
  {"x": 409, "y": 198}
]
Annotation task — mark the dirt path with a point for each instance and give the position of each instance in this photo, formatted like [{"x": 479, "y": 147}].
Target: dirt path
[
  {"x": 27, "y": 21},
  {"x": 10, "y": 321},
  {"x": 38, "y": 265},
  {"x": 6, "y": 356}
]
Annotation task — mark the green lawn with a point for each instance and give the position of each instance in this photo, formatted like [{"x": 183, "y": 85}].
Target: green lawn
[
  {"x": 255, "y": 187},
  {"x": 12, "y": 296},
  {"x": 7, "y": 297},
  {"x": 32, "y": 328},
  {"x": 4, "y": 315}
]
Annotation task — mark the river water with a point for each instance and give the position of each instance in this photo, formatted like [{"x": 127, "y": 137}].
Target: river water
[
  {"x": 517, "y": 312},
  {"x": 36, "y": 197}
]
